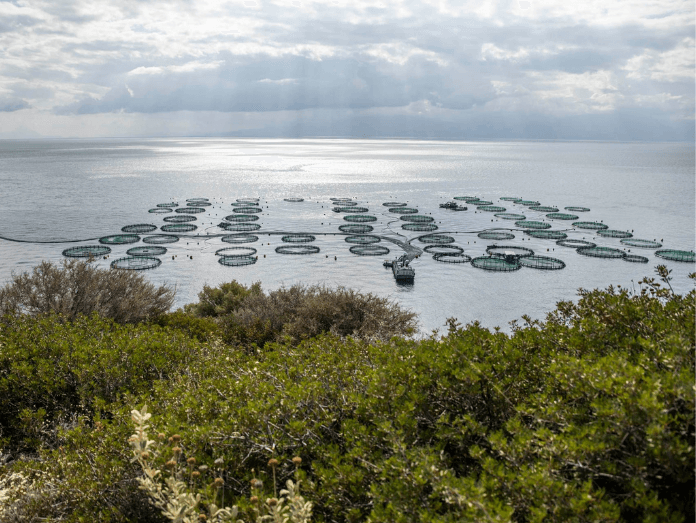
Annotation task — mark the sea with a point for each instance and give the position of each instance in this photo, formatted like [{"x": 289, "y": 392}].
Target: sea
[{"x": 59, "y": 194}]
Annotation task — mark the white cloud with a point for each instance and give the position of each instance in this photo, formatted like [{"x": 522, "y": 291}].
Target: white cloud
[
  {"x": 188, "y": 67},
  {"x": 674, "y": 65}
]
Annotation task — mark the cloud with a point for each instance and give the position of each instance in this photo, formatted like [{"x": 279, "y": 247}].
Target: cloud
[{"x": 10, "y": 105}]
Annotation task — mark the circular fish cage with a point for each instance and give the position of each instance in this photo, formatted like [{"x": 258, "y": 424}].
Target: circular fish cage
[
  {"x": 543, "y": 208},
  {"x": 496, "y": 235},
  {"x": 180, "y": 218},
  {"x": 675, "y": 255},
  {"x": 634, "y": 258},
  {"x": 403, "y": 210},
  {"x": 505, "y": 251},
  {"x": 436, "y": 238},
  {"x": 237, "y": 218},
  {"x": 360, "y": 218},
  {"x": 243, "y": 204},
  {"x": 171, "y": 204},
  {"x": 542, "y": 262},
  {"x": 482, "y": 203},
  {"x": 294, "y": 200},
  {"x": 234, "y": 252},
  {"x": 159, "y": 239},
  {"x": 146, "y": 251},
  {"x": 394, "y": 204},
  {"x": 369, "y": 250},
  {"x": 350, "y": 209},
  {"x": 298, "y": 238},
  {"x": 452, "y": 258},
  {"x": 417, "y": 218},
  {"x": 529, "y": 203},
  {"x": 613, "y": 233},
  {"x": 601, "y": 252},
  {"x": 247, "y": 210},
  {"x": 199, "y": 204},
  {"x": 575, "y": 244},
  {"x": 139, "y": 228},
  {"x": 247, "y": 200},
  {"x": 85, "y": 251},
  {"x": 490, "y": 208},
  {"x": 467, "y": 199},
  {"x": 562, "y": 216},
  {"x": 355, "y": 229},
  {"x": 240, "y": 238},
  {"x": 346, "y": 203},
  {"x": 160, "y": 210},
  {"x": 641, "y": 244},
  {"x": 577, "y": 209},
  {"x": 197, "y": 199},
  {"x": 531, "y": 224},
  {"x": 510, "y": 216},
  {"x": 493, "y": 263},
  {"x": 179, "y": 227},
  {"x": 297, "y": 249},
  {"x": 443, "y": 248},
  {"x": 236, "y": 261},
  {"x": 119, "y": 239},
  {"x": 513, "y": 199},
  {"x": 239, "y": 227},
  {"x": 189, "y": 210},
  {"x": 363, "y": 239},
  {"x": 594, "y": 226},
  {"x": 547, "y": 235},
  {"x": 136, "y": 263},
  {"x": 341, "y": 199},
  {"x": 419, "y": 227}
]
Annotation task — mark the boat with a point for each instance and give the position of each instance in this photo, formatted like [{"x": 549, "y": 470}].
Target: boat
[
  {"x": 402, "y": 270},
  {"x": 454, "y": 206}
]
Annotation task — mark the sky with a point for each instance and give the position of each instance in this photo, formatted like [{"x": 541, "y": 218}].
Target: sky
[{"x": 437, "y": 69}]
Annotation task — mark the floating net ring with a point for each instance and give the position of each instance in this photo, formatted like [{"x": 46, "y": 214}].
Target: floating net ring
[
  {"x": 136, "y": 263},
  {"x": 510, "y": 216},
  {"x": 575, "y": 244},
  {"x": 355, "y": 229},
  {"x": 467, "y": 199},
  {"x": 577, "y": 209},
  {"x": 613, "y": 233},
  {"x": 360, "y": 218},
  {"x": 496, "y": 235},
  {"x": 601, "y": 252},
  {"x": 443, "y": 248},
  {"x": 247, "y": 200},
  {"x": 642, "y": 244},
  {"x": 85, "y": 251},
  {"x": 562, "y": 216},
  {"x": 529, "y": 203},
  {"x": 452, "y": 258},
  {"x": 189, "y": 210},
  {"x": 417, "y": 218},
  {"x": 403, "y": 210},
  {"x": 139, "y": 228},
  {"x": 236, "y": 261},
  {"x": 435, "y": 238},
  {"x": 233, "y": 252},
  {"x": 158, "y": 239},
  {"x": 493, "y": 263},
  {"x": 197, "y": 199},
  {"x": 237, "y": 218},
  {"x": 160, "y": 210},
  {"x": 543, "y": 208},
  {"x": 531, "y": 224},
  {"x": 294, "y": 200},
  {"x": 634, "y": 258},
  {"x": 504, "y": 251},
  {"x": 243, "y": 204},
  {"x": 298, "y": 238},
  {"x": 247, "y": 210},
  {"x": 297, "y": 249},
  {"x": 119, "y": 239},
  {"x": 171, "y": 204},
  {"x": 341, "y": 199},
  {"x": 482, "y": 203},
  {"x": 490, "y": 208},
  {"x": 595, "y": 226},
  {"x": 547, "y": 235},
  {"x": 513, "y": 199},
  {"x": 363, "y": 239},
  {"x": 146, "y": 251},
  {"x": 350, "y": 209},
  {"x": 369, "y": 250},
  {"x": 419, "y": 227},
  {"x": 240, "y": 238},
  {"x": 347, "y": 203},
  {"x": 179, "y": 218},
  {"x": 674, "y": 255},
  {"x": 199, "y": 204},
  {"x": 394, "y": 204},
  {"x": 542, "y": 262},
  {"x": 239, "y": 227},
  {"x": 179, "y": 227}
]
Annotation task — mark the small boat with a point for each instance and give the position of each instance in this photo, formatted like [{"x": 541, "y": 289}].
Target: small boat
[
  {"x": 453, "y": 206},
  {"x": 402, "y": 270}
]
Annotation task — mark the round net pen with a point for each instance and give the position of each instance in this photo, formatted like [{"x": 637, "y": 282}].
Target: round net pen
[
  {"x": 240, "y": 238},
  {"x": 491, "y": 208},
  {"x": 510, "y": 216},
  {"x": 179, "y": 227},
  {"x": 139, "y": 228},
  {"x": 575, "y": 244},
  {"x": 239, "y": 218},
  {"x": 494, "y": 264},
  {"x": 594, "y": 226},
  {"x": 467, "y": 199},
  {"x": 443, "y": 249},
  {"x": 346, "y": 204},
  {"x": 350, "y": 209},
  {"x": 247, "y": 210},
  {"x": 543, "y": 208},
  {"x": 119, "y": 239},
  {"x": 233, "y": 252},
  {"x": 531, "y": 224},
  {"x": 436, "y": 238},
  {"x": 239, "y": 227},
  {"x": 547, "y": 235},
  {"x": 369, "y": 250},
  {"x": 197, "y": 199},
  {"x": 482, "y": 203},
  {"x": 199, "y": 204},
  {"x": 496, "y": 235},
  {"x": 613, "y": 233},
  {"x": 562, "y": 216},
  {"x": 298, "y": 238},
  {"x": 86, "y": 251},
  {"x": 634, "y": 258},
  {"x": 577, "y": 209},
  {"x": 160, "y": 210},
  {"x": 294, "y": 200},
  {"x": 512, "y": 199},
  {"x": 529, "y": 203},
  {"x": 355, "y": 229},
  {"x": 675, "y": 255},
  {"x": 359, "y": 218},
  {"x": 641, "y": 244},
  {"x": 159, "y": 239},
  {"x": 417, "y": 218},
  {"x": 452, "y": 258},
  {"x": 247, "y": 200},
  {"x": 363, "y": 239},
  {"x": 180, "y": 218},
  {"x": 542, "y": 262},
  {"x": 147, "y": 251},
  {"x": 340, "y": 199},
  {"x": 297, "y": 249},
  {"x": 189, "y": 210},
  {"x": 394, "y": 204},
  {"x": 403, "y": 210},
  {"x": 171, "y": 204},
  {"x": 601, "y": 252},
  {"x": 506, "y": 251},
  {"x": 419, "y": 227},
  {"x": 236, "y": 261},
  {"x": 243, "y": 204},
  {"x": 136, "y": 263}
]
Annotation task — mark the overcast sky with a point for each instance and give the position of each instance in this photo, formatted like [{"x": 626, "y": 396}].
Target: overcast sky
[{"x": 533, "y": 69}]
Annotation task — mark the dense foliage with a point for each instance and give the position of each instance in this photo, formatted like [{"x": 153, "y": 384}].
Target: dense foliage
[{"x": 588, "y": 415}]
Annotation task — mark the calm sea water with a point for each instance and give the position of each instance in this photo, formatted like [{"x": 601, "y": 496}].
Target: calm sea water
[{"x": 79, "y": 190}]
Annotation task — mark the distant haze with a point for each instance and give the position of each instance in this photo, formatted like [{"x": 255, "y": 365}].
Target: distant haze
[{"x": 452, "y": 69}]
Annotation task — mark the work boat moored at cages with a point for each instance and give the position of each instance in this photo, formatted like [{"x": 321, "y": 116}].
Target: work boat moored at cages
[{"x": 401, "y": 269}]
